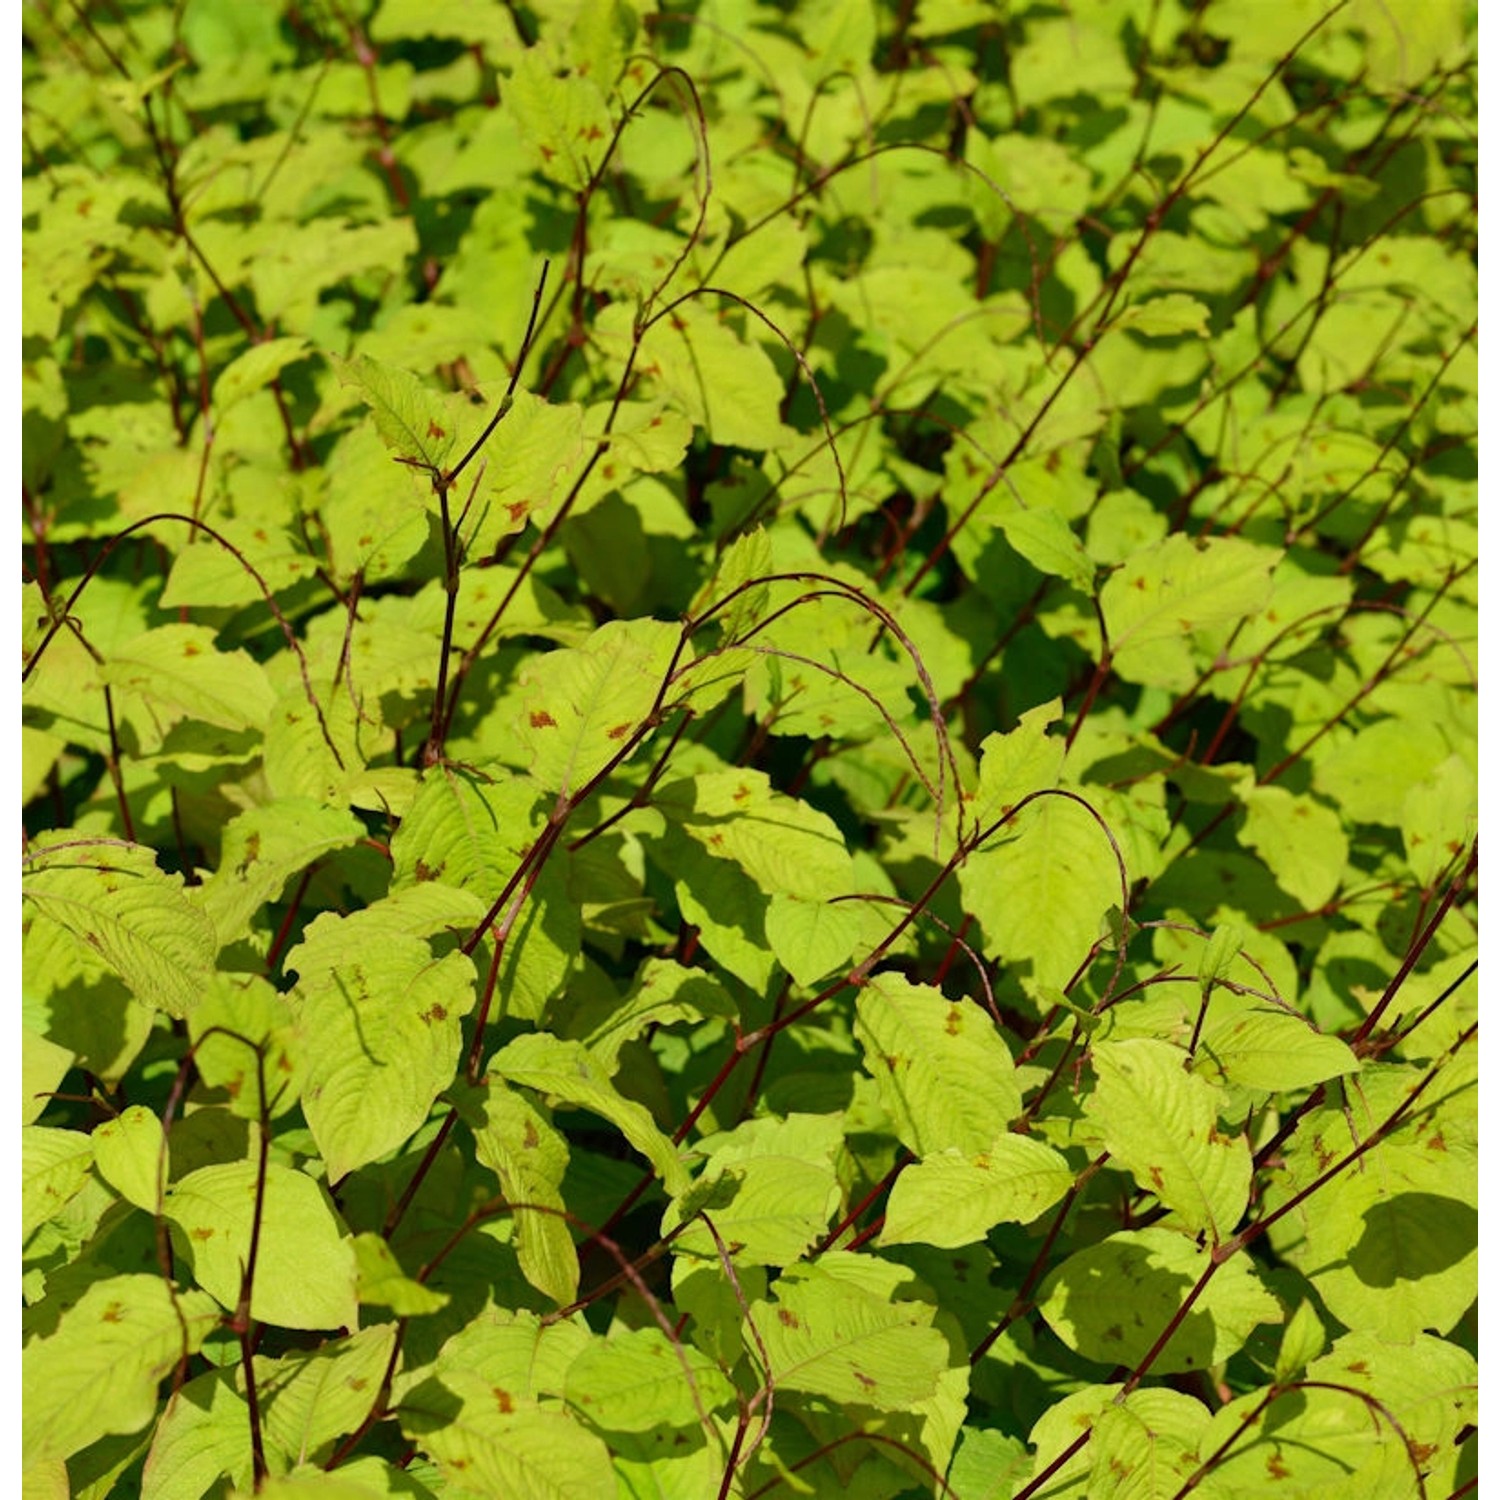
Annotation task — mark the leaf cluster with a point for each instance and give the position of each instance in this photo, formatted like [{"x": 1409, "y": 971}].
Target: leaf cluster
[{"x": 749, "y": 749}]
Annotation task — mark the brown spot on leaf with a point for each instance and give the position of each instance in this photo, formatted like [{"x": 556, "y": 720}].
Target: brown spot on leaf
[
  {"x": 503, "y": 1400},
  {"x": 530, "y": 1140},
  {"x": 1275, "y": 1468},
  {"x": 541, "y": 719},
  {"x": 618, "y": 732},
  {"x": 111, "y": 1314},
  {"x": 863, "y": 1379},
  {"x": 789, "y": 1319},
  {"x": 204, "y": 1233}
]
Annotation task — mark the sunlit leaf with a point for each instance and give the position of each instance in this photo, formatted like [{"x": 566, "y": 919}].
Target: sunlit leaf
[
  {"x": 940, "y": 1067},
  {"x": 1082, "y": 1303},
  {"x": 304, "y": 1270},
  {"x": 1162, "y": 1122},
  {"x": 135, "y": 1327}
]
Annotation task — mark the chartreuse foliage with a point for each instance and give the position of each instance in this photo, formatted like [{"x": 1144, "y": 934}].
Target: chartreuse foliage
[{"x": 749, "y": 749}]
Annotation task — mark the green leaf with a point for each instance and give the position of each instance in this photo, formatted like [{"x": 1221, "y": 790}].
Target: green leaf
[
  {"x": 783, "y": 845},
  {"x": 941, "y": 1070},
  {"x": 128, "y": 1153},
  {"x": 1016, "y": 764},
  {"x": 1369, "y": 775},
  {"x": 44, "y": 1065},
  {"x": 518, "y": 1142},
  {"x": 382, "y": 1479},
  {"x": 768, "y": 1187},
  {"x": 384, "y": 1023},
  {"x": 1257, "y": 1046},
  {"x": 1390, "y": 1241},
  {"x": 1162, "y": 1123},
  {"x": 1055, "y": 859},
  {"x": 1300, "y": 839},
  {"x": 177, "y": 672},
  {"x": 203, "y": 1435},
  {"x": 1439, "y": 818},
  {"x": 525, "y": 1357},
  {"x": 828, "y": 1335},
  {"x": 80, "y": 1003},
  {"x": 746, "y": 559},
  {"x": 311, "y": 1484},
  {"x": 472, "y": 833},
  {"x": 663, "y": 993},
  {"x": 1219, "y": 953},
  {"x": 988, "y": 1465},
  {"x": 531, "y": 464},
  {"x": 54, "y": 1166},
  {"x": 262, "y": 848},
  {"x": 304, "y": 1271},
  {"x": 724, "y": 904},
  {"x": 727, "y": 385},
  {"x": 373, "y": 512},
  {"x": 639, "y": 1380},
  {"x": 1050, "y": 545},
  {"x": 1338, "y": 1434},
  {"x": 563, "y": 118},
  {"x": 1165, "y": 316},
  {"x": 312, "y": 1396},
  {"x": 1302, "y": 1341},
  {"x": 526, "y": 1454},
  {"x": 580, "y": 707},
  {"x": 811, "y": 938},
  {"x": 255, "y": 369},
  {"x": 413, "y": 421},
  {"x": 245, "y": 1036},
  {"x": 952, "y": 1198},
  {"x": 98, "y": 1372},
  {"x": 1082, "y": 1304},
  {"x": 1147, "y": 1446},
  {"x": 112, "y": 898},
  {"x": 382, "y": 1282},
  {"x": 568, "y": 1072},
  {"x": 1166, "y": 592}
]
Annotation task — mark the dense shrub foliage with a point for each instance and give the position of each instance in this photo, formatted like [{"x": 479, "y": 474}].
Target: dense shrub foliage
[{"x": 749, "y": 749}]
